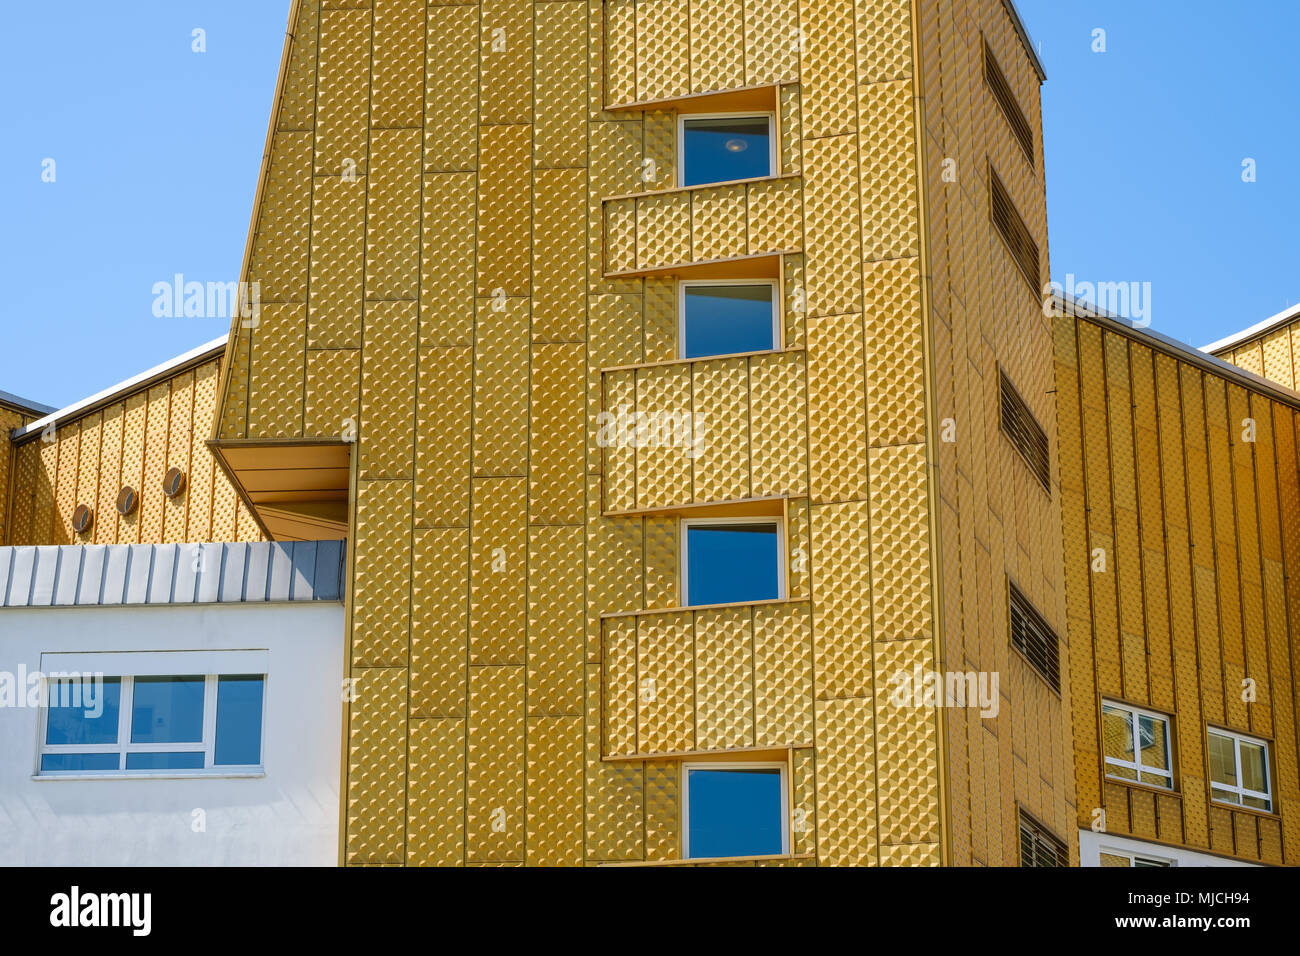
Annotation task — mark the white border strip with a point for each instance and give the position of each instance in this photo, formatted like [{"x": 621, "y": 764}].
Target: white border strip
[{"x": 1291, "y": 312}]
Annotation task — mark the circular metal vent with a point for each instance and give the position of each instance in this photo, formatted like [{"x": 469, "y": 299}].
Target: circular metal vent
[
  {"x": 173, "y": 482},
  {"x": 82, "y": 519},
  {"x": 126, "y": 500}
]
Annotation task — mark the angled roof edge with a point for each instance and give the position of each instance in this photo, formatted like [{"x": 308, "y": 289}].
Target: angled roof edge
[
  {"x": 1290, "y": 313},
  {"x": 1178, "y": 350},
  {"x": 195, "y": 356},
  {"x": 20, "y": 404},
  {"x": 1025, "y": 40}
]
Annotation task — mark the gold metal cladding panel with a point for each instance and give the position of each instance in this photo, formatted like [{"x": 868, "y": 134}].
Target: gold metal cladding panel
[
  {"x": 832, "y": 236},
  {"x": 771, "y": 41},
  {"x": 498, "y": 562},
  {"x": 895, "y": 360},
  {"x": 561, "y": 77},
  {"x": 900, "y": 546},
  {"x": 661, "y": 561},
  {"x": 884, "y": 40},
  {"x": 660, "y": 319},
  {"x": 907, "y": 747},
  {"x": 343, "y": 91},
  {"x": 717, "y": 45},
  {"x": 333, "y": 384},
  {"x": 841, "y": 597},
  {"x": 724, "y": 678},
  {"x": 796, "y": 301},
  {"x": 614, "y": 811},
  {"x": 556, "y": 635},
  {"x": 718, "y": 219},
  {"x": 774, "y": 213},
  {"x": 663, "y": 229},
  {"x": 506, "y": 48},
  {"x": 791, "y": 130},
  {"x": 617, "y": 74},
  {"x": 662, "y": 810},
  {"x": 662, "y": 49},
  {"x": 377, "y": 766},
  {"x": 180, "y": 440},
  {"x": 657, "y": 166},
  {"x": 554, "y": 791},
  {"x": 911, "y": 854},
  {"x": 1278, "y": 364},
  {"x": 82, "y": 472},
  {"x": 435, "y": 801},
  {"x": 847, "y": 830},
  {"x": 451, "y": 78},
  {"x": 827, "y": 68},
  {"x": 621, "y": 686},
  {"x": 889, "y": 180},
  {"x": 798, "y": 526},
  {"x": 280, "y": 246},
  {"x": 388, "y": 380},
  {"x": 275, "y": 381},
  {"x": 134, "y": 430},
  {"x": 721, "y": 454},
  {"x": 494, "y": 805},
  {"x": 234, "y": 409},
  {"x": 779, "y": 428},
  {"x": 783, "y": 676},
  {"x": 661, "y": 435},
  {"x": 382, "y": 576},
  {"x": 393, "y": 215},
  {"x": 614, "y": 563},
  {"x": 621, "y": 229},
  {"x": 504, "y": 212},
  {"x": 619, "y": 466},
  {"x": 837, "y": 430},
  {"x": 396, "y": 90},
  {"x": 298, "y": 102},
  {"x": 614, "y": 338},
  {"x": 501, "y": 405},
  {"x": 152, "y": 505},
  {"x": 665, "y": 705},
  {"x": 556, "y": 446},
  {"x": 559, "y": 263},
  {"x": 439, "y": 622},
  {"x": 447, "y": 260},
  {"x": 110, "y": 473},
  {"x": 334, "y": 305},
  {"x": 203, "y": 468}
]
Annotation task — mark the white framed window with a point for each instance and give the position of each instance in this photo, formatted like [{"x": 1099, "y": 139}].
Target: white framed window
[
  {"x": 725, "y": 147},
  {"x": 143, "y": 720},
  {"x": 727, "y": 316},
  {"x": 1137, "y": 745},
  {"x": 732, "y": 560},
  {"x": 735, "y": 809},
  {"x": 1239, "y": 770}
]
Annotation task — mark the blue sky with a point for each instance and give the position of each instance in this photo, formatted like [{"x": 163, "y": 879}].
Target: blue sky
[{"x": 157, "y": 151}]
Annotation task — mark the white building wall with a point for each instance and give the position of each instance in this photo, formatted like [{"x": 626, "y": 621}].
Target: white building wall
[
  {"x": 1092, "y": 845},
  {"x": 288, "y": 816}
]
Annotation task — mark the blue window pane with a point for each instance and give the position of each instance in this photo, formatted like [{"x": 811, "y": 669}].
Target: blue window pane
[
  {"x": 239, "y": 720},
  {"x": 728, "y": 563},
  {"x": 73, "y": 762},
  {"x": 167, "y": 710},
  {"x": 720, "y": 150},
  {"x": 721, "y": 319},
  {"x": 83, "y": 712},
  {"x": 735, "y": 812},
  {"x": 165, "y": 761}
]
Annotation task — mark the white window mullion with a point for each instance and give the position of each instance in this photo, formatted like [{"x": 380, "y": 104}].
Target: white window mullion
[
  {"x": 126, "y": 701},
  {"x": 209, "y": 719}
]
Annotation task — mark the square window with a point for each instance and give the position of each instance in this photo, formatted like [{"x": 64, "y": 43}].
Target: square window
[
  {"x": 82, "y": 713},
  {"x": 1239, "y": 770},
  {"x": 720, "y": 149},
  {"x": 734, "y": 809},
  {"x": 731, "y": 561},
  {"x": 1136, "y": 745},
  {"x": 727, "y": 317},
  {"x": 167, "y": 710}
]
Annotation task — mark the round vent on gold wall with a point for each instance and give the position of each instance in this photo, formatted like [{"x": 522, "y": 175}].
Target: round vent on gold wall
[
  {"x": 82, "y": 519},
  {"x": 173, "y": 482},
  {"x": 126, "y": 500}
]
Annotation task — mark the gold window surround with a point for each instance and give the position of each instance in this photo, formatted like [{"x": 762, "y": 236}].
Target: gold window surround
[{"x": 298, "y": 490}]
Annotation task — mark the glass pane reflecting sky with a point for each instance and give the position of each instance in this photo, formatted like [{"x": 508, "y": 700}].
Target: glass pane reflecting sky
[
  {"x": 735, "y": 812},
  {"x": 722, "y": 319},
  {"x": 720, "y": 150},
  {"x": 74, "y": 724},
  {"x": 731, "y": 562},
  {"x": 239, "y": 721},
  {"x": 167, "y": 710}
]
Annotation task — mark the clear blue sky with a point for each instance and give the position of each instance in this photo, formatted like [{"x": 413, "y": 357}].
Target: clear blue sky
[{"x": 158, "y": 148}]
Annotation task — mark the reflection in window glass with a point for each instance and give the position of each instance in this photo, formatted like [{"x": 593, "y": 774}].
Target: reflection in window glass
[
  {"x": 239, "y": 721},
  {"x": 721, "y": 149},
  {"x": 732, "y": 562},
  {"x": 191, "y": 760},
  {"x": 1223, "y": 761},
  {"x": 167, "y": 710},
  {"x": 79, "y": 762},
  {"x": 734, "y": 812},
  {"x": 1239, "y": 771},
  {"x": 1136, "y": 745},
  {"x": 727, "y": 318},
  {"x": 83, "y": 712}
]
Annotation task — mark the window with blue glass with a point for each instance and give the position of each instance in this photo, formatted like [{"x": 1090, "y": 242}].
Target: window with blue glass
[
  {"x": 731, "y": 560},
  {"x": 720, "y": 149},
  {"x": 734, "y": 809},
  {"x": 727, "y": 317},
  {"x": 153, "y": 723}
]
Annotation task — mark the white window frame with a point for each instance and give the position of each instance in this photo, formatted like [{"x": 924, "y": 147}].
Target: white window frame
[
  {"x": 1133, "y": 856},
  {"x": 684, "y": 549},
  {"x": 684, "y": 284},
  {"x": 124, "y": 747},
  {"x": 772, "y": 150},
  {"x": 1241, "y": 792},
  {"x": 1135, "y": 765},
  {"x": 721, "y": 765}
]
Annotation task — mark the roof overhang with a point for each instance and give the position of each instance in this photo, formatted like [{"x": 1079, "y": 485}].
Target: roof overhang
[{"x": 297, "y": 489}]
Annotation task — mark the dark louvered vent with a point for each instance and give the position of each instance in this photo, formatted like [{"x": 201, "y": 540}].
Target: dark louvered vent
[
  {"x": 1039, "y": 846},
  {"x": 1014, "y": 231},
  {"x": 1001, "y": 91},
  {"x": 1024, "y": 431},
  {"x": 1034, "y": 637}
]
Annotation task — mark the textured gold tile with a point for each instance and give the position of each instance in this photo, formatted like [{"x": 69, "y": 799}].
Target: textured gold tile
[
  {"x": 506, "y": 49},
  {"x": 724, "y": 679},
  {"x": 435, "y": 803},
  {"x": 555, "y": 620},
  {"x": 555, "y": 486},
  {"x": 381, "y": 582},
  {"x": 554, "y": 789},
  {"x": 498, "y": 561},
  {"x": 783, "y": 675},
  {"x": 447, "y": 260},
  {"x": 439, "y": 622},
  {"x": 451, "y": 88},
  {"x": 665, "y": 708},
  {"x": 393, "y": 215},
  {"x": 561, "y": 79},
  {"x": 333, "y": 386},
  {"x": 377, "y": 758},
  {"x": 388, "y": 390},
  {"x": 343, "y": 91},
  {"x": 841, "y": 593},
  {"x": 559, "y": 264},
  {"x": 721, "y": 461},
  {"x": 335, "y": 303},
  {"x": 495, "y": 779},
  {"x": 778, "y": 424},
  {"x": 501, "y": 400},
  {"x": 396, "y": 90},
  {"x": 504, "y": 223}
]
